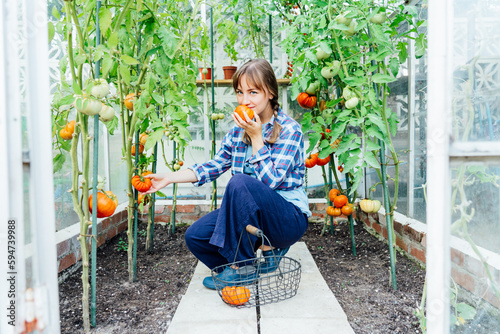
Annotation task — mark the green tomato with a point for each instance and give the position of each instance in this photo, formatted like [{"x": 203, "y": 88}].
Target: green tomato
[
  {"x": 343, "y": 20},
  {"x": 177, "y": 166},
  {"x": 352, "y": 103},
  {"x": 378, "y": 18},
  {"x": 347, "y": 93},
  {"x": 329, "y": 72},
  {"x": 313, "y": 88},
  {"x": 220, "y": 116},
  {"x": 320, "y": 54},
  {"x": 352, "y": 29},
  {"x": 214, "y": 117}
]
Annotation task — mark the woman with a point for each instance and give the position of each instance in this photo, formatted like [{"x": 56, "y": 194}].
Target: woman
[{"x": 266, "y": 157}]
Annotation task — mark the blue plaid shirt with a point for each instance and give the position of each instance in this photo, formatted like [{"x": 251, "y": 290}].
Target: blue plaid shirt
[{"x": 280, "y": 165}]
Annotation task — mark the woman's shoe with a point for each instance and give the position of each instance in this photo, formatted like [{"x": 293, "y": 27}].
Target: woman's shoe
[
  {"x": 231, "y": 277},
  {"x": 272, "y": 259}
]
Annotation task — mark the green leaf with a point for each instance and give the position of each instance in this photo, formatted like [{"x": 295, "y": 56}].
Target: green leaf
[
  {"x": 158, "y": 98},
  {"x": 355, "y": 81},
  {"x": 312, "y": 57},
  {"x": 377, "y": 121},
  {"x": 382, "y": 78},
  {"x": 403, "y": 53},
  {"x": 373, "y": 132},
  {"x": 129, "y": 60},
  {"x": 393, "y": 123},
  {"x": 169, "y": 41},
  {"x": 55, "y": 13},
  {"x": 160, "y": 194},
  {"x": 58, "y": 162},
  {"x": 370, "y": 145},
  {"x": 76, "y": 88},
  {"x": 372, "y": 97},
  {"x": 52, "y": 31},
  {"x": 125, "y": 73},
  {"x": 107, "y": 63},
  {"x": 113, "y": 40},
  {"x": 80, "y": 59},
  {"x": 104, "y": 19},
  {"x": 420, "y": 45},
  {"x": 466, "y": 311},
  {"x": 153, "y": 138},
  {"x": 112, "y": 125},
  {"x": 338, "y": 130},
  {"x": 394, "y": 66},
  {"x": 325, "y": 46},
  {"x": 371, "y": 160}
]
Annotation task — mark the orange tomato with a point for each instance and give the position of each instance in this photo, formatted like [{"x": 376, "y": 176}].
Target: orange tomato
[
  {"x": 129, "y": 101},
  {"x": 340, "y": 201},
  {"x": 106, "y": 204},
  {"x": 235, "y": 295},
  {"x": 347, "y": 209},
  {"x": 141, "y": 149},
  {"x": 333, "y": 193},
  {"x": 66, "y": 133},
  {"x": 140, "y": 183},
  {"x": 143, "y": 137},
  {"x": 333, "y": 211},
  {"x": 312, "y": 161},
  {"x": 307, "y": 101},
  {"x": 323, "y": 161},
  {"x": 242, "y": 108}
]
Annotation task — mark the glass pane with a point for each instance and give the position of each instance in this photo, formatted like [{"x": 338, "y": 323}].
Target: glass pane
[
  {"x": 475, "y": 249},
  {"x": 476, "y": 71}
]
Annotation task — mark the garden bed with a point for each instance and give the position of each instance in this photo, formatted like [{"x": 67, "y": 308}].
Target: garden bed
[{"x": 361, "y": 284}]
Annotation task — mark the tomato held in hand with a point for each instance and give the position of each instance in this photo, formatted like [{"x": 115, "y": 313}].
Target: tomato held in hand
[
  {"x": 307, "y": 101},
  {"x": 240, "y": 111},
  {"x": 140, "y": 183}
]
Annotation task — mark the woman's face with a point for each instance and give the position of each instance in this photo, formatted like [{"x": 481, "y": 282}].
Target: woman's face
[{"x": 257, "y": 100}]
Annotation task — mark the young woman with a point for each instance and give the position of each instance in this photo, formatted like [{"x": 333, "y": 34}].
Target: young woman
[{"x": 266, "y": 157}]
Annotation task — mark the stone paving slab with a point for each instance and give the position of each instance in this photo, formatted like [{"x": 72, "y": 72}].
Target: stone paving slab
[{"x": 313, "y": 310}]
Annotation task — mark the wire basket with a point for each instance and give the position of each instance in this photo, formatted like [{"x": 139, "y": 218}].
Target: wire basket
[{"x": 250, "y": 288}]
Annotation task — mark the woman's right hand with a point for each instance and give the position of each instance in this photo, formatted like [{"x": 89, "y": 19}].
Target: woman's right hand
[{"x": 158, "y": 181}]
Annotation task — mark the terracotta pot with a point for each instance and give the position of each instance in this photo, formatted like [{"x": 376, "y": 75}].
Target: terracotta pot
[
  {"x": 229, "y": 71},
  {"x": 207, "y": 76}
]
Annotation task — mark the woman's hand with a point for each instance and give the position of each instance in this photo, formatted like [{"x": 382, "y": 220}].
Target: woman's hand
[
  {"x": 158, "y": 181},
  {"x": 252, "y": 128}
]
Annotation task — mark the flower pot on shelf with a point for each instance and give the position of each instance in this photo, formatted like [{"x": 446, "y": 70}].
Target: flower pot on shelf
[
  {"x": 229, "y": 71},
  {"x": 206, "y": 76}
]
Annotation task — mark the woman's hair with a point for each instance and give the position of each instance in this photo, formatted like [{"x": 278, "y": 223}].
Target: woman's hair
[{"x": 259, "y": 74}]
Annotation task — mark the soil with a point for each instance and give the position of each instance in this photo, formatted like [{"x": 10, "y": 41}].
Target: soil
[{"x": 360, "y": 283}]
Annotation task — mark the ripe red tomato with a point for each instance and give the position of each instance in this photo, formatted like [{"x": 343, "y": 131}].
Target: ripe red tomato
[{"x": 307, "y": 101}]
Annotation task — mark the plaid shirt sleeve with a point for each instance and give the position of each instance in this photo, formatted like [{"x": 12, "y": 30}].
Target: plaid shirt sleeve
[{"x": 281, "y": 165}]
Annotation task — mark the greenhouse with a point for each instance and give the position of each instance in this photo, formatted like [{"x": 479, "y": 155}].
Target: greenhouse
[{"x": 255, "y": 166}]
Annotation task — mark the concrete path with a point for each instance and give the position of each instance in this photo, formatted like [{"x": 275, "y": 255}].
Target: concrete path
[{"x": 313, "y": 310}]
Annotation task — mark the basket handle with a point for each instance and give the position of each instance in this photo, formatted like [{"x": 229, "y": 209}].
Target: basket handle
[{"x": 255, "y": 231}]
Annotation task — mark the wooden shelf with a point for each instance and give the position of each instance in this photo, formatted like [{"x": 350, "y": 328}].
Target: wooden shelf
[{"x": 229, "y": 82}]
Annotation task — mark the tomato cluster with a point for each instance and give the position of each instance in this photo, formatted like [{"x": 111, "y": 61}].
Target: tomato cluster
[
  {"x": 314, "y": 160},
  {"x": 289, "y": 70},
  {"x": 341, "y": 204}
]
